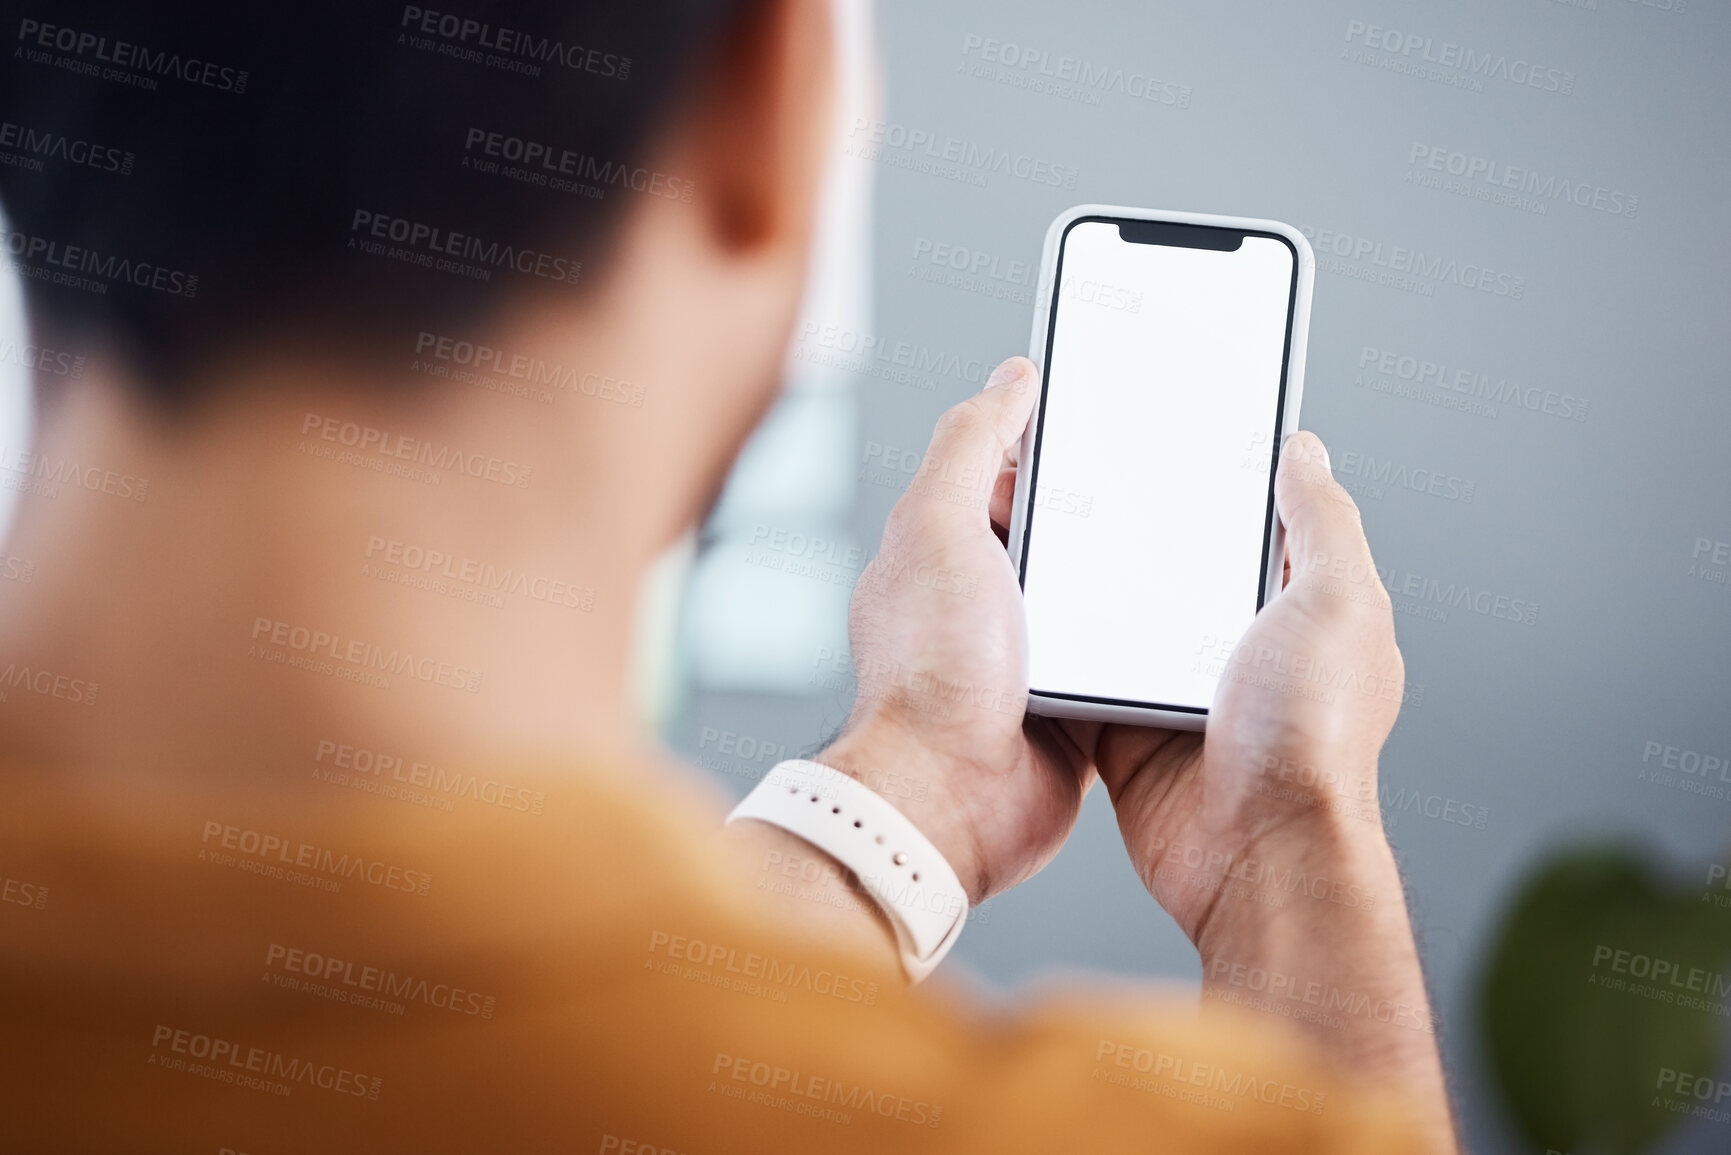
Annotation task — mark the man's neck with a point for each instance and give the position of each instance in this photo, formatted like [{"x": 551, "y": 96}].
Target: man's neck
[{"x": 441, "y": 579}]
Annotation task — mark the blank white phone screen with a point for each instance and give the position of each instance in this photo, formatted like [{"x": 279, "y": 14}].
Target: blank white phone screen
[{"x": 1145, "y": 543}]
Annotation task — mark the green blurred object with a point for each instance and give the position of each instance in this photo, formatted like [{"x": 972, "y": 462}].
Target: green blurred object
[{"x": 1577, "y": 1041}]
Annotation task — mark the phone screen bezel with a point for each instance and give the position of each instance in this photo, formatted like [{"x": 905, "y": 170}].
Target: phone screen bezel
[{"x": 1175, "y": 231}]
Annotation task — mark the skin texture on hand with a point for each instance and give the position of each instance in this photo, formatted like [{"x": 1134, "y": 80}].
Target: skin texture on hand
[
  {"x": 1306, "y": 699},
  {"x": 1282, "y": 787},
  {"x": 940, "y": 652}
]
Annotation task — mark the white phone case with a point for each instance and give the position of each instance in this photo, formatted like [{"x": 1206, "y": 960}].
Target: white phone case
[{"x": 1148, "y": 715}]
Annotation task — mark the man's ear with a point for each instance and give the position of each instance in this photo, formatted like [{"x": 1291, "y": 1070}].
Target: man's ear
[{"x": 759, "y": 121}]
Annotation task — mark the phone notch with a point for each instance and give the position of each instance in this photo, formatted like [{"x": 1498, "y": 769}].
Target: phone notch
[{"x": 1180, "y": 235}]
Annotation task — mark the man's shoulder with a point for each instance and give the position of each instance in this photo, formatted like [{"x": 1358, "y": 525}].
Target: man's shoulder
[{"x": 513, "y": 839}]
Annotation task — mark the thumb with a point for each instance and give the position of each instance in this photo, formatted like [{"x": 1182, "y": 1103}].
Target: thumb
[
  {"x": 972, "y": 436},
  {"x": 1324, "y": 532}
]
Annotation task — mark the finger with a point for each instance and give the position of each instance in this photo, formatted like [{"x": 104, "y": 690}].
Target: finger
[
  {"x": 1061, "y": 750},
  {"x": 1004, "y": 492},
  {"x": 1003, "y": 498},
  {"x": 1324, "y": 533},
  {"x": 1124, "y": 754},
  {"x": 962, "y": 464}
]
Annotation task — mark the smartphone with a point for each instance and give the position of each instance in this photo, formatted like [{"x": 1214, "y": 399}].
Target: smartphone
[{"x": 1171, "y": 355}]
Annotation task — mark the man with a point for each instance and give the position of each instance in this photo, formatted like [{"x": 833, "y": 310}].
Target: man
[{"x": 378, "y": 353}]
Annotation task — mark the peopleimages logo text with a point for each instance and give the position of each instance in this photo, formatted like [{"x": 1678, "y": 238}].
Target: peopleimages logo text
[
  {"x": 1545, "y": 187},
  {"x": 875, "y": 136},
  {"x": 433, "y": 239},
  {"x": 1460, "y": 57},
  {"x": 34, "y": 34},
  {"x": 365, "y": 655},
  {"x": 44, "y": 258},
  {"x": 1414, "y": 265},
  {"x": 512, "y": 43},
  {"x": 46, "y": 143}
]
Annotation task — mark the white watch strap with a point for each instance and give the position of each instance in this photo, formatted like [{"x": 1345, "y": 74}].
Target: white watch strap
[{"x": 896, "y": 864}]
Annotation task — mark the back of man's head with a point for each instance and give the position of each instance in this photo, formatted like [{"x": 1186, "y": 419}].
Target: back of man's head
[{"x": 186, "y": 180}]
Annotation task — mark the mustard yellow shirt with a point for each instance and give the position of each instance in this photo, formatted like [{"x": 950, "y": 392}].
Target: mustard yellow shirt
[{"x": 540, "y": 960}]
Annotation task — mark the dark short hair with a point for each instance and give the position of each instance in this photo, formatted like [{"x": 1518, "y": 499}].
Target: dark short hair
[{"x": 183, "y": 180}]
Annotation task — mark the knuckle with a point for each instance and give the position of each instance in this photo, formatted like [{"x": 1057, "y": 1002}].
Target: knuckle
[
  {"x": 1308, "y": 468},
  {"x": 1328, "y": 501},
  {"x": 964, "y": 417},
  {"x": 1341, "y": 496},
  {"x": 1352, "y": 518}
]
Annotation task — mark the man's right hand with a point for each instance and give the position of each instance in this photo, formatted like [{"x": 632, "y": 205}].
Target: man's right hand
[
  {"x": 1305, "y": 701},
  {"x": 1264, "y": 839}
]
